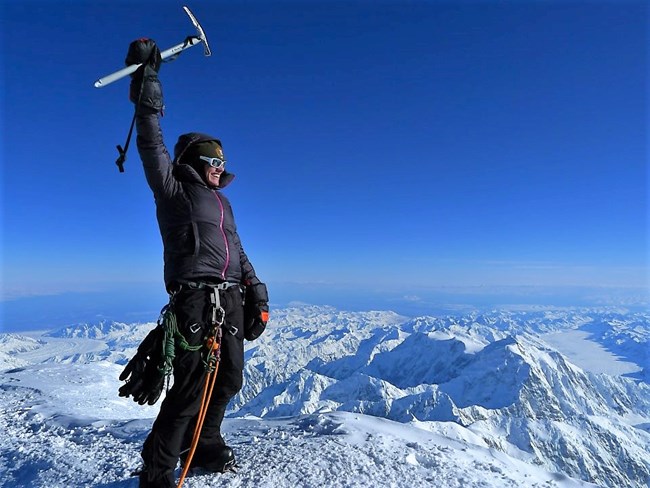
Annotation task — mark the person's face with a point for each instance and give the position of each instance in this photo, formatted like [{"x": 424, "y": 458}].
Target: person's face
[{"x": 212, "y": 174}]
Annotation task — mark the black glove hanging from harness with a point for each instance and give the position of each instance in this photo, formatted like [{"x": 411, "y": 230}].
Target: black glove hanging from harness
[
  {"x": 145, "y": 374},
  {"x": 144, "y": 378},
  {"x": 145, "y": 90}
]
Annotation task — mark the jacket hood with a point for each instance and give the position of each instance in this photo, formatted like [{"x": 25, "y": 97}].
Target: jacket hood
[{"x": 186, "y": 140}]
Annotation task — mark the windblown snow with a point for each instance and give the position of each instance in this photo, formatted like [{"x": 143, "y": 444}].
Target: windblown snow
[{"x": 508, "y": 398}]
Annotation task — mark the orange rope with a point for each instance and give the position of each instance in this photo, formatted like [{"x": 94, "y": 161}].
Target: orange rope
[{"x": 210, "y": 380}]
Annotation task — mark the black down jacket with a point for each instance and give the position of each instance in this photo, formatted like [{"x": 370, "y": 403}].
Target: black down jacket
[{"x": 196, "y": 222}]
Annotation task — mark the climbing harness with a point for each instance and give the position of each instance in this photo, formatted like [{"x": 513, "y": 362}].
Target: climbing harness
[{"x": 173, "y": 339}]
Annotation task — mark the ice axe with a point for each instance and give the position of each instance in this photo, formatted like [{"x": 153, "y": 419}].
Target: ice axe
[
  {"x": 190, "y": 41},
  {"x": 170, "y": 53}
]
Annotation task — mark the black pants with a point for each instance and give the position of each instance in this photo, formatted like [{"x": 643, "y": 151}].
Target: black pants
[{"x": 173, "y": 429}]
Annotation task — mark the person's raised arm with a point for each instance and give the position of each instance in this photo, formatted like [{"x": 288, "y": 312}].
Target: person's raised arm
[{"x": 146, "y": 93}]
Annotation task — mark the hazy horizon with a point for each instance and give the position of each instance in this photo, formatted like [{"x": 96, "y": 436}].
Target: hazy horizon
[{"x": 142, "y": 304}]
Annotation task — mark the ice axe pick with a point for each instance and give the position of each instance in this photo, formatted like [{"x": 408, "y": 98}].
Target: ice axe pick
[{"x": 167, "y": 53}]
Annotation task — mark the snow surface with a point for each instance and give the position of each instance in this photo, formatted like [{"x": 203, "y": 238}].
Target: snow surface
[{"x": 552, "y": 398}]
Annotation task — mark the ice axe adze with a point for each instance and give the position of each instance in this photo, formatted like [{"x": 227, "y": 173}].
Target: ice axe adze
[
  {"x": 171, "y": 53},
  {"x": 187, "y": 43}
]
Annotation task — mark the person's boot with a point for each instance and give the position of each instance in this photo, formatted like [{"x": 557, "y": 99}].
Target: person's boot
[
  {"x": 216, "y": 459},
  {"x": 222, "y": 460}
]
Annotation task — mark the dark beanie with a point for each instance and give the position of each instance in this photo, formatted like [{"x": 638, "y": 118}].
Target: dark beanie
[
  {"x": 211, "y": 149},
  {"x": 187, "y": 140}
]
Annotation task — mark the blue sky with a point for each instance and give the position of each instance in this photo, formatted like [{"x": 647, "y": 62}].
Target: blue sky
[{"x": 386, "y": 145}]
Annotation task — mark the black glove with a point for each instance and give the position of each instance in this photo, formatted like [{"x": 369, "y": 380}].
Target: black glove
[
  {"x": 145, "y": 90},
  {"x": 256, "y": 310},
  {"x": 144, "y": 381}
]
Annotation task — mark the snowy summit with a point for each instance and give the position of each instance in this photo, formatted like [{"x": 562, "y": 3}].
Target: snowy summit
[{"x": 546, "y": 398}]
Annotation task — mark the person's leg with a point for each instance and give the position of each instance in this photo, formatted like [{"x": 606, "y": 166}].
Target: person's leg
[
  {"x": 228, "y": 383},
  {"x": 162, "y": 447}
]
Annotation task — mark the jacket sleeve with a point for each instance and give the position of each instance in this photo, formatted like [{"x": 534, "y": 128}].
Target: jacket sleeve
[{"x": 155, "y": 158}]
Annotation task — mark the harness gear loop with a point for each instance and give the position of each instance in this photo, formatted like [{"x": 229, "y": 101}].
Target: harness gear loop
[
  {"x": 172, "y": 339},
  {"x": 217, "y": 319}
]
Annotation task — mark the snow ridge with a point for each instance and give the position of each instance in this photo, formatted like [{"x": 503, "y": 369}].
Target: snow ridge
[
  {"x": 338, "y": 398},
  {"x": 490, "y": 373}
]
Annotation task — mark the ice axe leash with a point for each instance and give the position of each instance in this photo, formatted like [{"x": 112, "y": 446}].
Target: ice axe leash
[
  {"x": 168, "y": 54},
  {"x": 122, "y": 151}
]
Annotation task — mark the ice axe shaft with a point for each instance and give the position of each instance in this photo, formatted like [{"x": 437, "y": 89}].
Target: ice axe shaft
[
  {"x": 167, "y": 53},
  {"x": 108, "y": 79}
]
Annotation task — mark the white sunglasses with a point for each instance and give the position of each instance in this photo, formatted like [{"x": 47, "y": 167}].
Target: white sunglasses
[{"x": 216, "y": 163}]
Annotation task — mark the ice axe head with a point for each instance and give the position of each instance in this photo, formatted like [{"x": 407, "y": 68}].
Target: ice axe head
[{"x": 199, "y": 30}]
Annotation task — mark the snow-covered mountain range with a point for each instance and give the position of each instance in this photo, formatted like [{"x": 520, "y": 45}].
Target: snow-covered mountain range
[{"x": 526, "y": 397}]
